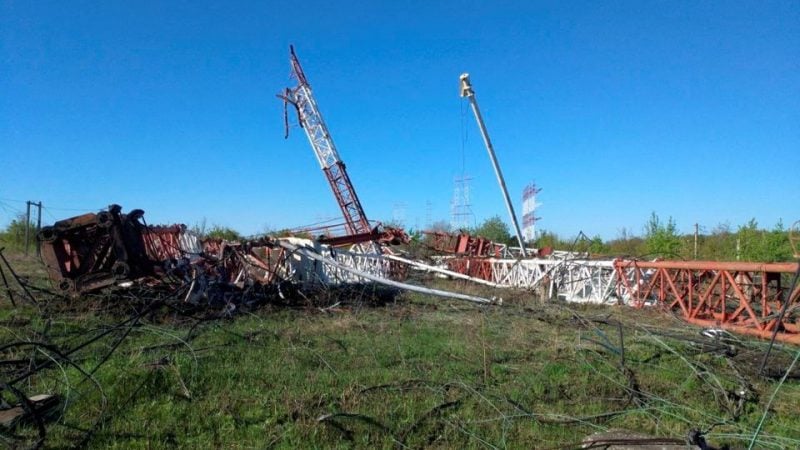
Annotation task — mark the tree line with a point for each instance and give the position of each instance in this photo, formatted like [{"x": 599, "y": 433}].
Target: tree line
[{"x": 659, "y": 239}]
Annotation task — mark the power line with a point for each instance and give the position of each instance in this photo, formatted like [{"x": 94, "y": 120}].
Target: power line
[
  {"x": 12, "y": 200},
  {"x": 54, "y": 208},
  {"x": 75, "y": 209},
  {"x": 10, "y": 209},
  {"x": 47, "y": 211}
]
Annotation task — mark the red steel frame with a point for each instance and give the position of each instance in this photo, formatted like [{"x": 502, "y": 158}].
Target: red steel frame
[
  {"x": 474, "y": 267},
  {"x": 464, "y": 244},
  {"x": 353, "y": 212},
  {"x": 163, "y": 242},
  {"x": 743, "y": 297}
]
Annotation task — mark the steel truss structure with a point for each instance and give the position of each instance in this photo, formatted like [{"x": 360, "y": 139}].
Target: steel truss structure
[
  {"x": 742, "y": 297},
  {"x": 300, "y": 268},
  {"x": 573, "y": 280}
]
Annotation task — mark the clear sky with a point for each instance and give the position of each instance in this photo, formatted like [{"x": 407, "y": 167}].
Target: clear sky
[{"x": 690, "y": 109}]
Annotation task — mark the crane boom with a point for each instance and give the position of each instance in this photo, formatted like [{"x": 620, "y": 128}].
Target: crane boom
[
  {"x": 467, "y": 91},
  {"x": 324, "y": 149}
]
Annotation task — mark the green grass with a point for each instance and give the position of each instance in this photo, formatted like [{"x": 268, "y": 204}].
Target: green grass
[{"x": 418, "y": 372}]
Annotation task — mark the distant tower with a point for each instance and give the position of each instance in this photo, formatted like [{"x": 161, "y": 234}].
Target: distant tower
[
  {"x": 461, "y": 216},
  {"x": 399, "y": 214},
  {"x": 428, "y": 214},
  {"x": 529, "y": 206}
]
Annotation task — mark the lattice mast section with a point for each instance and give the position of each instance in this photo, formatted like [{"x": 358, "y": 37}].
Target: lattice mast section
[
  {"x": 321, "y": 142},
  {"x": 529, "y": 206},
  {"x": 461, "y": 215}
]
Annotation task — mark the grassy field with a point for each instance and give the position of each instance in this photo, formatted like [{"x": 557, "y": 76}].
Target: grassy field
[{"x": 413, "y": 371}]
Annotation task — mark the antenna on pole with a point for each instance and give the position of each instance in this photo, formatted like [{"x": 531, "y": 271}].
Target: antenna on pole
[{"x": 467, "y": 91}]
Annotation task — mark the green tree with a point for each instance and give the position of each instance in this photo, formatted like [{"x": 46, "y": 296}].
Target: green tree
[
  {"x": 14, "y": 234},
  {"x": 756, "y": 244},
  {"x": 548, "y": 239},
  {"x": 719, "y": 245},
  {"x": 597, "y": 246},
  {"x": 749, "y": 242},
  {"x": 626, "y": 244},
  {"x": 495, "y": 230},
  {"x": 661, "y": 239},
  {"x": 221, "y": 232},
  {"x": 777, "y": 244}
]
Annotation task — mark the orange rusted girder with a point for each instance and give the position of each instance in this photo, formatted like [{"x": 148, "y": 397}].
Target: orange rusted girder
[
  {"x": 734, "y": 295},
  {"x": 474, "y": 267},
  {"x": 464, "y": 244},
  {"x": 784, "y": 267}
]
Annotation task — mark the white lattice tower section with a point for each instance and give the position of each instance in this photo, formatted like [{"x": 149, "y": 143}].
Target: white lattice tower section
[
  {"x": 529, "y": 206},
  {"x": 461, "y": 216}
]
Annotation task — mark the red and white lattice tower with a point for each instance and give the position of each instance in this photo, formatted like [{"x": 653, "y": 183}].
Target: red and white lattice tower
[
  {"x": 321, "y": 142},
  {"x": 529, "y": 206}
]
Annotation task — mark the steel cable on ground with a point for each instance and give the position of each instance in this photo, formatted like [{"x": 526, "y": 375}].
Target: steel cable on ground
[
  {"x": 772, "y": 441},
  {"x": 779, "y": 321},
  {"x": 771, "y": 398}
]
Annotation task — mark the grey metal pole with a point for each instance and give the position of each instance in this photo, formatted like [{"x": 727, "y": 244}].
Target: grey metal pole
[
  {"x": 467, "y": 91},
  {"x": 38, "y": 228},
  {"x": 27, "y": 224}
]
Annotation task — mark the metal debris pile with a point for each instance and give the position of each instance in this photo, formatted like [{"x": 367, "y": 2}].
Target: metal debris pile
[
  {"x": 138, "y": 277},
  {"x": 95, "y": 251},
  {"x": 92, "y": 252}
]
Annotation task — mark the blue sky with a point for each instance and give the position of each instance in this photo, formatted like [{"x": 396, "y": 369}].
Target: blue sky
[{"x": 615, "y": 109}]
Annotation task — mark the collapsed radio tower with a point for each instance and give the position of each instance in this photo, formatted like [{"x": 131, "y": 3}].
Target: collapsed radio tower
[{"x": 311, "y": 121}]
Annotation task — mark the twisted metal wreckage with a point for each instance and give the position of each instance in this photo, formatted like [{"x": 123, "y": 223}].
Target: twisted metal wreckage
[{"x": 95, "y": 251}]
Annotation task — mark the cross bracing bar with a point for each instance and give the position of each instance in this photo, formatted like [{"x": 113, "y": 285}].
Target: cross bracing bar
[{"x": 340, "y": 267}]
